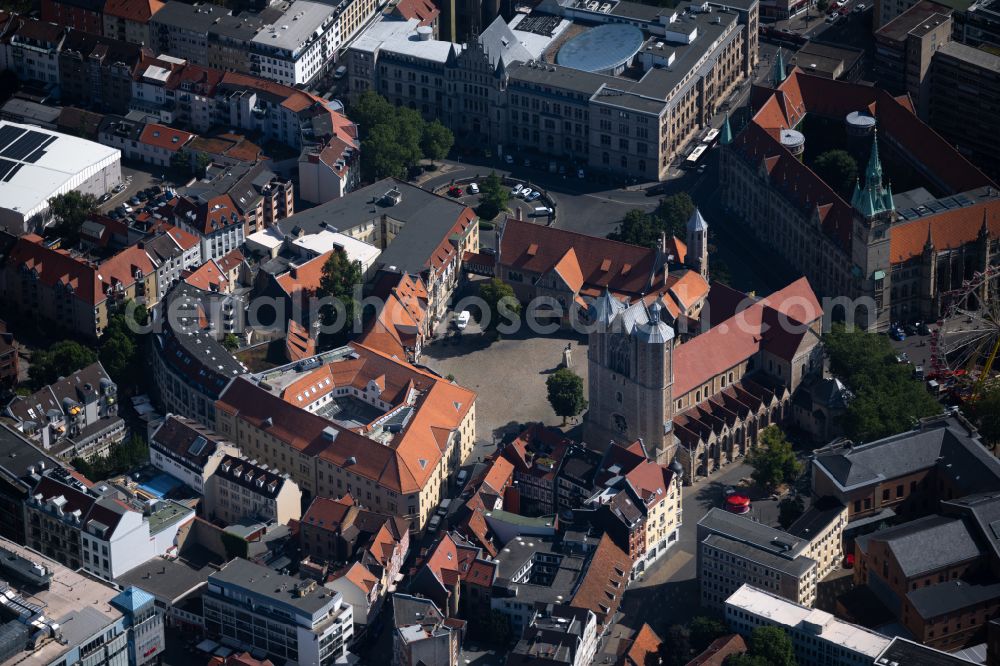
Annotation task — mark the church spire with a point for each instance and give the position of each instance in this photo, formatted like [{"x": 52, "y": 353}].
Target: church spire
[
  {"x": 984, "y": 230},
  {"x": 873, "y": 197},
  {"x": 726, "y": 136},
  {"x": 929, "y": 243},
  {"x": 778, "y": 73}
]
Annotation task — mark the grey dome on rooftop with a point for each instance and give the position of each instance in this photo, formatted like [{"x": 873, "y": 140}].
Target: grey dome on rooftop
[{"x": 606, "y": 49}]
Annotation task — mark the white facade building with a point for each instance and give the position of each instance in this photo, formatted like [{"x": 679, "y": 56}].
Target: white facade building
[
  {"x": 248, "y": 606},
  {"x": 297, "y": 46},
  {"x": 819, "y": 638},
  {"x": 40, "y": 164},
  {"x": 188, "y": 451}
]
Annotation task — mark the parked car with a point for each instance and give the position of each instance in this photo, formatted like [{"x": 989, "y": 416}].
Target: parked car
[
  {"x": 105, "y": 197},
  {"x": 844, "y": 11},
  {"x": 897, "y": 334},
  {"x": 509, "y": 159},
  {"x": 832, "y": 18},
  {"x": 580, "y": 174},
  {"x": 473, "y": 188},
  {"x": 533, "y": 196},
  {"x": 135, "y": 201},
  {"x": 923, "y": 329},
  {"x": 516, "y": 190},
  {"x": 462, "y": 321},
  {"x": 454, "y": 191},
  {"x": 541, "y": 211},
  {"x": 525, "y": 193},
  {"x": 860, "y": 7},
  {"x": 910, "y": 329}
]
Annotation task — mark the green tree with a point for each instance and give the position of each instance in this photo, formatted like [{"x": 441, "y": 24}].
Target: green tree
[
  {"x": 231, "y": 342},
  {"x": 70, "y": 210},
  {"x": 122, "y": 346},
  {"x": 674, "y": 212},
  {"x": 493, "y": 197},
  {"x": 677, "y": 645},
  {"x": 60, "y": 360},
  {"x": 501, "y": 301},
  {"x": 565, "y": 393},
  {"x": 637, "y": 228},
  {"x": 390, "y": 137},
  {"x": 838, "y": 170},
  {"x": 436, "y": 141},
  {"x": 822, "y": 5},
  {"x": 704, "y": 630},
  {"x": 887, "y": 399},
  {"x": 339, "y": 278},
  {"x": 986, "y": 412},
  {"x": 773, "y": 645},
  {"x": 121, "y": 459},
  {"x": 745, "y": 659},
  {"x": 773, "y": 460}
]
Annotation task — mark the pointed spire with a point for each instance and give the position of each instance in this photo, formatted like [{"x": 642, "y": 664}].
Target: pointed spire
[
  {"x": 778, "y": 73},
  {"x": 929, "y": 243},
  {"x": 984, "y": 230},
  {"x": 873, "y": 174},
  {"x": 726, "y": 136},
  {"x": 696, "y": 222},
  {"x": 887, "y": 202},
  {"x": 855, "y": 195}
]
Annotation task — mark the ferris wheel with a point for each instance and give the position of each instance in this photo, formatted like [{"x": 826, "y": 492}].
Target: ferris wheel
[{"x": 966, "y": 343}]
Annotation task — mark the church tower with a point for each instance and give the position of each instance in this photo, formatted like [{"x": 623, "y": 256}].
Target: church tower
[
  {"x": 630, "y": 377},
  {"x": 697, "y": 243}
]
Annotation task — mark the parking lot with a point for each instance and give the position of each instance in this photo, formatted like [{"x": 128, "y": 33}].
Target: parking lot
[
  {"x": 517, "y": 202},
  {"x": 136, "y": 177}
]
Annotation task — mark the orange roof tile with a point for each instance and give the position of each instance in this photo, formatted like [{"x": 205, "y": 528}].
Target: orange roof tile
[
  {"x": 208, "y": 277},
  {"x": 165, "y": 137},
  {"x": 948, "y": 229},
  {"x": 645, "y": 648}
]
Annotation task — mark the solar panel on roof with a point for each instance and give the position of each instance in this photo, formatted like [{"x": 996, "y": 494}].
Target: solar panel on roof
[
  {"x": 34, "y": 157},
  {"x": 8, "y": 134},
  {"x": 5, "y": 166},
  {"x": 24, "y": 145},
  {"x": 13, "y": 172}
]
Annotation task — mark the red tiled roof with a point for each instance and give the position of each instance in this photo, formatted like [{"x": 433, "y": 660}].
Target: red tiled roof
[
  {"x": 720, "y": 649},
  {"x": 604, "y": 581},
  {"x": 405, "y": 465},
  {"x": 208, "y": 277},
  {"x": 230, "y": 260},
  {"x": 305, "y": 277},
  {"x": 165, "y": 137},
  {"x": 948, "y": 229},
  {"x": 645, "y": 648},
  {"x": 137, "y": 11},
  {"x": 209, "y": 216},
  {"x": 731, "y": 342},
  {"x": 499, "y": 475},
  {"x": 417, "y": 9}
]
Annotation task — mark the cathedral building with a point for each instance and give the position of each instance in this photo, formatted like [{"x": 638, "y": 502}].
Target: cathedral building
[
  {"x": 921, "y": 220},
  {"x": 699, "y": 401}
]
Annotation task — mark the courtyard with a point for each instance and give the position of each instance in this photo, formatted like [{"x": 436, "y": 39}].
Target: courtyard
[{"x": 508, "y": 374}]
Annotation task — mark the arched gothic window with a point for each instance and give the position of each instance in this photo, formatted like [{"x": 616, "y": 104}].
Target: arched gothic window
[{"x": 621, "y": 355}]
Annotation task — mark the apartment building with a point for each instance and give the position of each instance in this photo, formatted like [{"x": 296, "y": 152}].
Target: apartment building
[
  {"x": 255, "y": 608},
  {"x": 557, "y": 634},
  {"x": 241, "y": 489},
  {"x": 905, "y": 47},
  {"x": 73, "y": 613},
  {"x": 963, "y": 91},
  {"x": 818, "y": 637},
  {"x": 354, "y": 420},
  {"x": 423, "y": 634},
  {"x": 69, "y": 291},
  {"x": 823, "y": 525},
  {"x": 96, "y": 71},
  {"x": 75, "y": 416},
  {"x": 190, "y": 366},
  {"x": 734, "y": 550},
  {"x": 171, "y": 252},
  {"x": 188, "y": 451},
  {"x": 88, "y": 527},
  {"x": 129, "y": 20}
]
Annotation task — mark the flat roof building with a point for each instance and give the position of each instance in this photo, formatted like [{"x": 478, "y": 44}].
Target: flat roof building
[
  {"x": 37, "y": 164},
  {"x": 818, "y": 637}
]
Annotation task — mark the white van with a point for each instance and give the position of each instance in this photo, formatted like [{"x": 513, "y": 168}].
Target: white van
[
  {"x": 340, "y": 72},
  {"x": 541, "y": 211}
]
